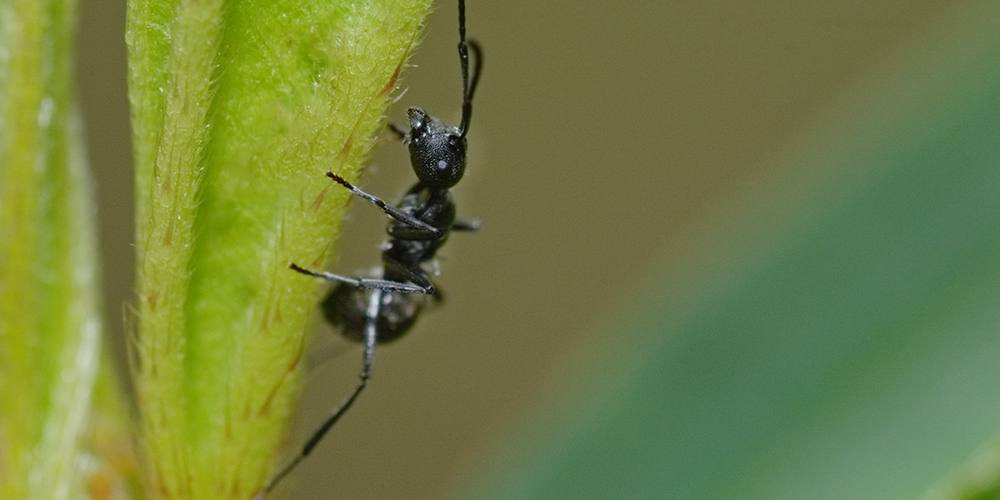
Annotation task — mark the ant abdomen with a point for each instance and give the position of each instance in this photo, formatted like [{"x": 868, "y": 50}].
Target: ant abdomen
[{"x": 345, "y": 309}]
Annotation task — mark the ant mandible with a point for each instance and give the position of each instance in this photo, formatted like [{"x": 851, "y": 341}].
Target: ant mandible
[{"x": 382, "y": 309}]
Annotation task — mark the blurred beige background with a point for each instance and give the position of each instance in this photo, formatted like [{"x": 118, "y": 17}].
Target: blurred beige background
[{"x": 602, "y": 132}]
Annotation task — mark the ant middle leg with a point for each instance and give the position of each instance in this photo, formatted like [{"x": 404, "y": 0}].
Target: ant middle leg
[{"x": 369, "y": 283}]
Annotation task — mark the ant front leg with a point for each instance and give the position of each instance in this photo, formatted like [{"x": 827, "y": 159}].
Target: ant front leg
[{"x": 397, "y": 214}]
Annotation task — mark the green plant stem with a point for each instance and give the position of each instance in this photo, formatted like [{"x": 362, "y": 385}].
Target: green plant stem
[
  {"x": 50, "y": 327},
  {"x": 237, "y": 110}
]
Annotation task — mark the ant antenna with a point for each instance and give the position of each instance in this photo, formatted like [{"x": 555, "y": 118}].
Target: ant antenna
[{"x": 463, "y": 55}]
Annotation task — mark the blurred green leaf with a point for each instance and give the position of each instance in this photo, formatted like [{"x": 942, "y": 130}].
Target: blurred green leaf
[
  {"x": 50, "y": 295},
  {"x": 838, "y": 340}
]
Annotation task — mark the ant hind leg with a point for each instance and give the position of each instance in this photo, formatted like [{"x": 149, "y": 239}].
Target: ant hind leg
[{"x": 367, "y": 360}]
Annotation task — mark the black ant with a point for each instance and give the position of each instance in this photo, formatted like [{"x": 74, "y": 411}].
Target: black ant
[{"x": 382, "y": 309}]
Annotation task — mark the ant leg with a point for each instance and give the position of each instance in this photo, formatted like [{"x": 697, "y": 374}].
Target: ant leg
[
  {"x": 462, "y": 224},
  {"x": 389, "y": 210},
  {"x": 367, "y": 360},
  {"x": 394, "y": 268},
  {"x": 367, "y": 283},
  {"x": 399, "y": 133}
]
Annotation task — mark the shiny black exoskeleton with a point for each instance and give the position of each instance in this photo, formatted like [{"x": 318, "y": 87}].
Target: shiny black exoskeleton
[{"x": 382, "y": 308}]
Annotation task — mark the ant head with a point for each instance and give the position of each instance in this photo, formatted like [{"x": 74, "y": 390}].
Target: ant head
[{"x": 437, "y": 151}]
